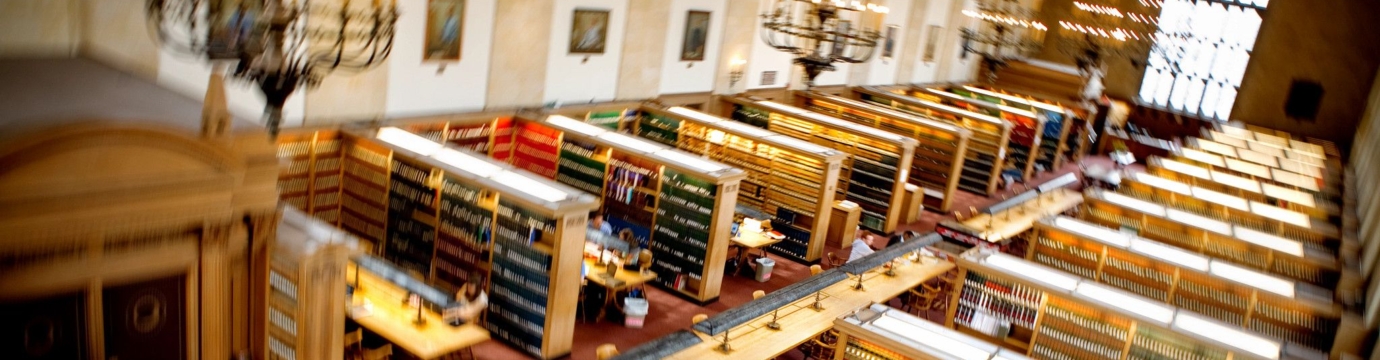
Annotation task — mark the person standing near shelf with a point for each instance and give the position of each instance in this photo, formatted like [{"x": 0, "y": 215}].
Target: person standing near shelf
[
  {"x": 470, "y": 301},
  {"x": 862, "y": 246},
  {"x": 596, "y": 221}
]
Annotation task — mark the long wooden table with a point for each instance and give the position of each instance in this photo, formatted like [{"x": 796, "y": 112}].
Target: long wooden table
[
  {"x": 388, "y": 317},
  {"x": 1016, "y": 220},
  {"x": 800, "y": 322}
]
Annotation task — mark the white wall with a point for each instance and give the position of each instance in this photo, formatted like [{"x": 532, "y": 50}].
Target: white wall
[
  {"x": 38, "y": 28},
  {"x": 416, "y": 87},
  {"x": 883, "y": 71},
  {"x": 937, "y": 13},
  {"x": 189, "y": 75},
  {"x": 676, "y": 77},
  {"x": 960, "y": 70},
  {"x": 569, "y": 78}
]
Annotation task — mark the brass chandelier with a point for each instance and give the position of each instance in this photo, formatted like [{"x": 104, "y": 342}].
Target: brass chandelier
[
  {"x": 823, "y": 33},
  {"x": 1006, "y": 32},
  {"x": 280, "y": 45}
]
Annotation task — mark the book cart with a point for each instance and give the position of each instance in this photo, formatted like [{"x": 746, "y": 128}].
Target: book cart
[
  {"x": 987, "y": 146},
  {"x": 678, "y": 203},
  {"x": 1275, "y": 306},
  {"x": 939, "y": 153},
  {"x": 791, "y": 180},
  {"x": 1049, "y": 314}
]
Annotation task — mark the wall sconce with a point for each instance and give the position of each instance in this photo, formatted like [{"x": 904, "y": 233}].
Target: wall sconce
[{"x": 735, "y": 71}]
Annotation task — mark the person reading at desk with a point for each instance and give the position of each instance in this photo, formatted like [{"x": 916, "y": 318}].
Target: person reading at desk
[
  {"x": 470, "y": 302},
  {"x": 862, "y": 246},
  {"x": 596, "y": 221}
]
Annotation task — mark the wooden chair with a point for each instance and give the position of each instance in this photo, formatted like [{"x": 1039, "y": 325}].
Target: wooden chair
[
  {"x": 758, "y": 294},
  {"x": 644, "y": 262},
  {"x": 832, "y": 261},
  {"x": 698, "y": 318},
  {"x": 354, "y": 341},
  {"x": 816, "y": 269},
  {"x": 605, "y": 351},
  {"x": 381, "y": 353}
]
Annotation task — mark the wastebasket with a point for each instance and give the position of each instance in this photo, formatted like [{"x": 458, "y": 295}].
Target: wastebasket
[
  {"x": 764, "y": 266},
  {"x": 634, "y": 312}
]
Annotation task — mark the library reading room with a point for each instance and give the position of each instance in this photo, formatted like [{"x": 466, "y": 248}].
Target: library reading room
[{"x": 689, "y": 179}]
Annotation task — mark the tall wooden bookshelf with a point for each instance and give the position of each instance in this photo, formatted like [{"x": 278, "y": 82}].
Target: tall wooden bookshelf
[
  {"x": 1193, "y": 155},
  {"x": 987, "y": 147},
  {"x": 874, "y": 177},
  {"x": 1256, "y": 215},
  {"x": 683, "y": 203},
  {"x": 1218, "y": 239},
  {"x": 1051, "y": 143},
  {"x": 1274, "y": 306},
  {"x": 311, "y": 177},
  {"x": 1049, "y": 314},
  {"x": 1075, "y": 143},
  {"x": 306, "y": 278},
  {"x": 792, "y": 180},
  {"x": 1251, "y": 189},
  {"x": 939, "y": 151},
  {"x": 1027, "y": 128}
]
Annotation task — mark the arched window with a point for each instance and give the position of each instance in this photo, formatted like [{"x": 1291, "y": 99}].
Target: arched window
[{"x": 1199, "y": 72}]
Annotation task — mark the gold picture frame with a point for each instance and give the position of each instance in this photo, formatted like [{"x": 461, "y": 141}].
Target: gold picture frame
[
  {"x": 589, "y": 30},
  {"x": 445, "y": 23}
]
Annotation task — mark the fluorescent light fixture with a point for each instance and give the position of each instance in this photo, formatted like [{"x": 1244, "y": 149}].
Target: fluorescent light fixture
[
  {"x": 1295, "y": 180},
  {"x": 1258, "y": 158},
  {"x": 744, "y": 129},
  {"x": 1195, "y": 220},
  {"x": 1017, "y": 266},
  {"x": 1126, "y": 302},
  {"x": 1202, "y": 157},
  {"x": 1185, "y": 169},
  {"x": 1216, "y": 147},
  {"x": 931, "y": 339},
  {"x": 1271, "y": 140},
  {"x": 408, "y": 141},
  {"x": 800, "y": 146},
  {"x": 1265, "y": 149},
  {"x": 690, "y": 161},
  {"x": 695, "y": 115},
  {"x": 1237, "y": 132},
  {"x": 1221, "y": 199},
  {"x": 1230, "y": 335},
  {"x": 781, "y": 107},
  {"x": 569, "y": 124},
  {"x": 1248, "y": 168},
  {"x": 1162, "y": 183},
  {"x": 1277, "y": 243},
  {"x": 1281, "y": 214},
  {"x": 1133, "y": 203},
  {"x": 631, "y": 142},
  {"x": 466, "y": 162},
  {"x": 1253, "y": 278},
  {"x": 970, "y": 114},
  {"x": 1289, "y": 195},
  {"x": 1306, "y": 148},
  {"x": 1094, "y": 232},
  {"x": 527, "y": 185},
  {"x": 1170, "y": 254},
  {"x": 1236, "y": 182},
  {"x": 1234, "y": 142},
  {"x": 836, "y": 122}
]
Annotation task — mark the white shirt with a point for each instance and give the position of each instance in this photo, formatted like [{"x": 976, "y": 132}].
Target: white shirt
[{"x": 860, "y": 249}]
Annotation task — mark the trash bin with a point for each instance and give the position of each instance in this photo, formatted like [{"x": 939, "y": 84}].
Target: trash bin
[
  {"x": 764, "y": 266},
  {"x": 634, "y": 312}
]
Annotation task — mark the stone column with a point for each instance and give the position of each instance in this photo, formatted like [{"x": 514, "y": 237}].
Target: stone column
[
  {"x": 215, "y": 291},
  {"x": 517, "y": 64},
  {"x": 644, "y": 47},
  {"x": 910, "y": 54},
  {"x": 740, "y": 31}
]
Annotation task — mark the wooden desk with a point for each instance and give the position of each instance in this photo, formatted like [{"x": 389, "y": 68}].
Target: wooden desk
[
  {"x": 625, "y": 279},
  {"x": 391, "y": 320},
  {"x": 800, "y": 322},
  {"x": 1016, "y": 220},
  {"x": 746, "y": 241}
]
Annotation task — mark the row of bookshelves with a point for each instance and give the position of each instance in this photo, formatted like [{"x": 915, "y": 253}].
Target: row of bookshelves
[
  {"x": 987, "y": 145},
  {"x": 1027, "y": 128}
]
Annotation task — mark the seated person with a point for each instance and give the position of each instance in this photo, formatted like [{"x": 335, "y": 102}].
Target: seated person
[
  {"x": 470, "y": 302},
  {"x": 862, "y": 246},
  {"x": 895, "y": 239},
  {"x": 596, "y": 221},
  {"x": 631, "y": 257}
]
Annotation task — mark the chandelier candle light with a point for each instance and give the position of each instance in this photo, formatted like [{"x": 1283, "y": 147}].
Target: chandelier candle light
[
  {"x": 1006, "y": 32},
  {"x": 822, "y": 33},
  {"x": 279, "y": 45}
]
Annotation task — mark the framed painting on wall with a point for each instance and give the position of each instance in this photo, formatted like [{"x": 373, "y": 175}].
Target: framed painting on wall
[
  {"x": 889, "y": 42},
  {"x": 696, "y": 35},
  {"x": 233, "y": 26},
  {"x": 444, "y": 21},
  {"x": 589, "y": 31},
  {"x": 930, "y": 42}
]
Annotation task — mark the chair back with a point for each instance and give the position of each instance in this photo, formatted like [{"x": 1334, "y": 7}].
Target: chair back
[
  {"x": 698, "y": 318},
  {"x": 380, "y": 353},
  {"x": 644, "y": 259},
  {"x": 758, "y": 294},
  {"x": 606, "y": 351},
  {"x": 816, "y": 269}
]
